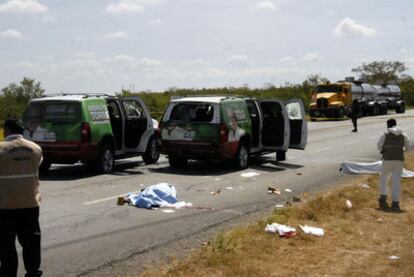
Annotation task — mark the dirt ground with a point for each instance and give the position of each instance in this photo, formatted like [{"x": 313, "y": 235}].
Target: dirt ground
[{"x": 358, "y": 241}]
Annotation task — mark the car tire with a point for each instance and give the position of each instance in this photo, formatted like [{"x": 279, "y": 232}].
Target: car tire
[
  {"x": 280, "y": 155},
  {"x": 44, "y": 167},
  {"x": 106, "y": 159},
  {"x": 177, "y": 161},
  {"x": 241, "y": 161},
  {"x": 152, "y": 153}
]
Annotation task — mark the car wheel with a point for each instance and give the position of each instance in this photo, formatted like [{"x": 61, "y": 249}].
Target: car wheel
[
  {"x": 152, "y": 153},
  {"x": 280, "y": 155},
  {"x": 106, "y": 159},
  {"x": 177, "y": 161},
  {"x": 44, "y": 167},
  {"x": 242, "y": 158}
]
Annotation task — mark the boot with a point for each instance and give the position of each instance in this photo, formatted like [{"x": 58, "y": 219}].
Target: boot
[
  {"x": 382, "y": 202},
  {"x": 395, "y": 206}
]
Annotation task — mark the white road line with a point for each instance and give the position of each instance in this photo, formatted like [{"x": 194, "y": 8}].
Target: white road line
[
  {"x": 107, "y": 198},
  {"x": 322, "y": 149}
]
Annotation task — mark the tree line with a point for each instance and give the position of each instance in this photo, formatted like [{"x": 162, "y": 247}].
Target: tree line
[{"x": 15, "y": 97}]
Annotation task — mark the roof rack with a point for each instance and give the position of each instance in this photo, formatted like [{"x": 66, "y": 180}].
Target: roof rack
[
  {"x": 85, "y": 95},
  {"x": 207, "y": 95}
]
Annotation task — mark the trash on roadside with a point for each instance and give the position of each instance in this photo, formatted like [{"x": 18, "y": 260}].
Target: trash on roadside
[
  {"x": 284, "y": 231},
  {"x": 348, "y": 204},
  {"x": 299, "y": 174},
  {"x": 288, "y": 204},
  {"x": 365, "y": 186},
  {"x": 296, "y": 199},
  {"x": 168, "y": 211},
  {"x": 249, "y": 174},
  {"x": 160, "y": 195},
  {"x": 214, "y": 192},
  {"x": 229, "y": 188},
  {"x": 217, "y": 179},
  {"x": 271, "y": 190},
  {"x": 380, "y": 220},
  {"x": 288, "y": 190},
  {"x": 393, "y": 257},
  {"x": 204, "y": 243},
  {"x": 279, "y": 206},
  {"x": 316, "y": 231}
]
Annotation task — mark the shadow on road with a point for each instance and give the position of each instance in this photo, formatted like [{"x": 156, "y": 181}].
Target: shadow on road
[{"x": 80, "y": 171}]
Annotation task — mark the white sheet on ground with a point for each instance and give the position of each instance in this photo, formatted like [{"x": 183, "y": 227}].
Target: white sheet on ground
[{"x": 369, "y": 168}]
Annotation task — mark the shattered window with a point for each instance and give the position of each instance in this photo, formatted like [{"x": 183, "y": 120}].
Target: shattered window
[{"x": 294, "y": 110}]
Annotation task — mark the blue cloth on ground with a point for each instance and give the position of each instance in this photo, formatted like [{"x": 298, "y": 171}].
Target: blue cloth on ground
[{"x": 154, "y": 196}]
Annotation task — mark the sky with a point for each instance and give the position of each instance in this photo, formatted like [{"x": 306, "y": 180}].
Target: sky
[{"x": 103, "y": 46}]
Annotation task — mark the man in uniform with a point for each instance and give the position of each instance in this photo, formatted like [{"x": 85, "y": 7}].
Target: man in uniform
[
  {"x": 392, "y": 145},
  {"x": 355, "y": 111},
  {"x": 19, "y": 201}
]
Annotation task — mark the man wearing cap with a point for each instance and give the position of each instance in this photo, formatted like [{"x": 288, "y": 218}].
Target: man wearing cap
[
  {"x": 392, "y": 145},
  {"x": 19, "y": 201}
]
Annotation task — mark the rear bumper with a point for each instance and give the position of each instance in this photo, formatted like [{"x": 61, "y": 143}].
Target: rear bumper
[
  {"x": 200, "y": 150},
  {"x": 69, "y": 152}
]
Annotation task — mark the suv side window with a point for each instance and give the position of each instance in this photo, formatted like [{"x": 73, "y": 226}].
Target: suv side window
[
  {"x": 192, "y": 112},
  {"x": 133, "y": 109}
]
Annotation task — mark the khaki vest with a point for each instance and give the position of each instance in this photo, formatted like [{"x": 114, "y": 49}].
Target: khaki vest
[
  {"x": 19, "y": 182},
  {"x": 393, "y": 148}
]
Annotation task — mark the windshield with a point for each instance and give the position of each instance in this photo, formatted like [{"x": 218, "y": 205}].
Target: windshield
[
  {"x": 192, "y": 112},
  {"x": 329, "y": 88},
  {"x": 54, "y": 112}
]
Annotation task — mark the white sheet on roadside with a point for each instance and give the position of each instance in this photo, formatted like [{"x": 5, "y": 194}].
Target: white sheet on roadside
[
  {"x": 348, "y": 167},
  {"x": 316, "y": 231}
]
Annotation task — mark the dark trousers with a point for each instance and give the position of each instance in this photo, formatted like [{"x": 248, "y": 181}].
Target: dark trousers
[
  {"x": 23, "y": 223},
  {"x": 354, "y": 122}
]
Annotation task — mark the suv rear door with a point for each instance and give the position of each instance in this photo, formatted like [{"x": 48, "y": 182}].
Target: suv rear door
[
  {"x": 136, "y": 122},
  {"x": 275, "y": 125},
  {"x": 298, "y": 125}
]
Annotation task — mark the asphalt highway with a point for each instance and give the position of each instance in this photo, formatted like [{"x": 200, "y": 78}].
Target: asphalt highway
[{"x": 84, "y": 232}]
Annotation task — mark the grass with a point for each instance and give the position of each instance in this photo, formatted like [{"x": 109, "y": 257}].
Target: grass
[
  {"x": 1, "y": 134},
  {"x": 357, "y": 241}
]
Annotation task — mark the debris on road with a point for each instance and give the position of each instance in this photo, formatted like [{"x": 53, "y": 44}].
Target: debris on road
[
  {"x": 348, "y": 204},
  {"x": 299, "y": 174},
  {"x": 273, "y": 190},
  {"x": 316, "y": 231},
  {"x": 284, "y": 231},
  {"x": 229, "y": 188},
  {"x": 215, "y": 192},
  {"x": 168, "y": 211},
  {"x": 365, "y": 186},
  {"x": 249, "y": 174},
  {"x": 160, "y": 195},
  {"x": 380, "y": 220},
  {"x": 393, "y": 257},
  {"x": 296, "y": 199},
  {"x": 288, "y": 190},
  {"x": 279, "y": 206}
]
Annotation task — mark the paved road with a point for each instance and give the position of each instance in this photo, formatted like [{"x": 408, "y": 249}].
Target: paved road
[{"x": 86, "y": 234}]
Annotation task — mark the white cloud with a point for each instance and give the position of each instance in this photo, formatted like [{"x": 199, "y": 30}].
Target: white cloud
[
  {"x": 266, "y": 5},
  {"x": 286, "y": 59},
  {"x": 155, "y": 22},
  {"x": 239, "y": 60},
  {"x": 311, "y": 56},
  {"x": 128, "y": 7},
  {"x": 23, "y": 7},
  {"x": 349, "y": 27},
  {"x": 11, "y": 34},
  {"x": 116, "y": 35}
]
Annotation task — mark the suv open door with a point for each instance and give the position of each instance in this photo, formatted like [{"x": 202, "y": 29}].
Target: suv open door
[
  {"x": 136, "y": 122},
  {"x": 275, "y": 125},
  {"x": 298, "y": 126}
]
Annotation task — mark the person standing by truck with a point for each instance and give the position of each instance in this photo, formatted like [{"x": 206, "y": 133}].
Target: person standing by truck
[
  {"x": 355, "y": 111},
  {"x": 392, "y": 145},
  {"x": 19, "y": 201}
]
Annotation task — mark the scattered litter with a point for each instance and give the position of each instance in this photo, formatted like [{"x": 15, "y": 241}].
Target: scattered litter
[
  {"x": 279, "y": 206},
  {"x": 288, "y": 204},
  {"x": 229, "y": 188},
  {"x": 348, "y": 204},
  {"x": 167, "y": 211},
  {"x": 160, "y": 195},
  {"x": 141, "y": 185},
  {"x": 296, "y": 199},
  {"x": 299, "y": 173},
  {"x": 284, "y": 231},
  {"x": 394, "y": 257},
  {"x": 249, "y": 174},
  {"x": 271, "y": 190},
  {"x": 204, "y": 243},
  {"x": 316, "y": 231},
  {"x": 288, "y": 190},
  {"x": 380, "y": 220},
  {"x": 365, "y": 186},
  {"x": 217, "y": 179},
  {"x": 215, "y": 192}
]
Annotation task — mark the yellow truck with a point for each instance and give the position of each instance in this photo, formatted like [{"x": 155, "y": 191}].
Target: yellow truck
[{"x": 334, "y": 100}]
